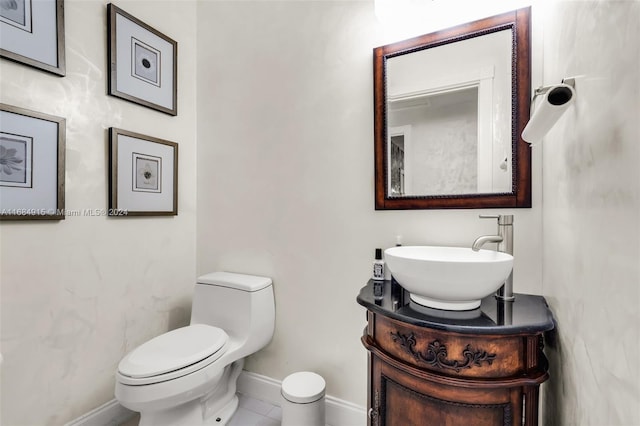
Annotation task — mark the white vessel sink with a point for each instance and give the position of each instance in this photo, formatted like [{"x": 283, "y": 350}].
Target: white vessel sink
[{"x": 452, "y": 278}]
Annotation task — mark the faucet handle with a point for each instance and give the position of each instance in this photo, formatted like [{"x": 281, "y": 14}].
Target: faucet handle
[
  {"x": 489, "y": 216},
  {"x": 503, "y": 219}
]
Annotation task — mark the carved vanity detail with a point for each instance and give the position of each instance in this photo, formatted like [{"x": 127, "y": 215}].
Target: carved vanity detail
[
  {"x": 436, "y": 354},
  {"x": 431, "y": 367}
]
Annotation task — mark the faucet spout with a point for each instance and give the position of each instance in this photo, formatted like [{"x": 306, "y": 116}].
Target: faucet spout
[
  {"x": 480, "y": 241},
  {"x": 505, "y": 245}
]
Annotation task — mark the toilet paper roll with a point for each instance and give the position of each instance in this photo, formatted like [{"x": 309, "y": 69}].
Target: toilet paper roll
[{"x": 553, "y": 104}]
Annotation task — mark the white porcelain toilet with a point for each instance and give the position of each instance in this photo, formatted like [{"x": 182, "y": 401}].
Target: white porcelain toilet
[{"x": 188, "y": 376}]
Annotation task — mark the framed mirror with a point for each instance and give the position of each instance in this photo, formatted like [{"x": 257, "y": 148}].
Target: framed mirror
[{"x": 449, "y": 109}]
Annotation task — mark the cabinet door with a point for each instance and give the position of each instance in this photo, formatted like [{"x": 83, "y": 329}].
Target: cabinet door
[{"x": 400, "y": 399}]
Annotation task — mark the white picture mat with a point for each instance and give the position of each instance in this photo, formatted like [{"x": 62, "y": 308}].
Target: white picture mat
[
  {"x": 144, "y": 201},
  {"x": 43, "y": 194},
  {"x": 126, "y": 83},
  {"x": 41, "y": 43}
]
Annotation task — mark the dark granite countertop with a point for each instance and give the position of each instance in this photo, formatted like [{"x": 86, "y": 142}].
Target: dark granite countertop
[{"x": 526, "y": 314}]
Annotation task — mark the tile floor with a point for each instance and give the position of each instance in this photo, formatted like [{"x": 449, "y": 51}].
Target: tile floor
[{"x": 251, "y": 412}]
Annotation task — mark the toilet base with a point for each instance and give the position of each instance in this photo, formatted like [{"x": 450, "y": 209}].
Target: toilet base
[
  {"x": 190, "y": 414},
  {"x": 186, "y": 414},
  {"x": 223, "y": 416},
  {"x": 220, "y": 403}
]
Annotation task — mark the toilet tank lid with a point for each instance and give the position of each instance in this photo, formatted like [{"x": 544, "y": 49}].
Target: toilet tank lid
[{"x": 233, "y": 280}]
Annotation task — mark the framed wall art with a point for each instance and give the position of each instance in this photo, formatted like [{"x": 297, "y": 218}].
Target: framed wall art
[
  {"x": 143, "y": 63},
  {"x": 143, "y": 175},
  {"x": 32, "y": 33},
  {"x": 32, "y": 164}
]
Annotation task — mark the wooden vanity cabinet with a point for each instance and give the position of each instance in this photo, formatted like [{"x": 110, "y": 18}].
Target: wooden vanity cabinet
[{"x": 422, "y": 373}]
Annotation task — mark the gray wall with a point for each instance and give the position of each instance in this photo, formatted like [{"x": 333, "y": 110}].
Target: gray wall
[{"x": 591, "y": 214}]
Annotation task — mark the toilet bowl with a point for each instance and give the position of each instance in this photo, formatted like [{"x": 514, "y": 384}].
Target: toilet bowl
[{"x": 188, "y": 376}]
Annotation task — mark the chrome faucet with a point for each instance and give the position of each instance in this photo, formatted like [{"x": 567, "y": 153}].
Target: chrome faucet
[
  {"x": 504, "y": 238},
  {"x": 480, "y": 241}
]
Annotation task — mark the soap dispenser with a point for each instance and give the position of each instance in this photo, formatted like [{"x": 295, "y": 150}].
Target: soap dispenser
[{"x": 378, "y": 266}]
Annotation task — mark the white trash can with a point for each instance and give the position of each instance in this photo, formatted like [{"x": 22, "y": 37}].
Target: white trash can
[{"x": 303, "y": 399}]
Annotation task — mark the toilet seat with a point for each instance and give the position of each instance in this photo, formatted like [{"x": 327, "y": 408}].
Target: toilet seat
[{"x": 173, "y": 354}]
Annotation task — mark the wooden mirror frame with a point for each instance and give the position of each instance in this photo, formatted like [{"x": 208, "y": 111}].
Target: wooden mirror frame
[{"x": 518, "y": 21}]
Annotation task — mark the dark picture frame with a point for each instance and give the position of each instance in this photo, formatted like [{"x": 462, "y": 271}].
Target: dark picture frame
[
  {"x": 143, "y": 175},
  {"x": 143, "y": 63},
  {"x": 32, "y": 33},
  {"x": 32, "y": 170}
]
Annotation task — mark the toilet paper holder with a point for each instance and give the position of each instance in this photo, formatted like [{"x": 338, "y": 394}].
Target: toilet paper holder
[
  {"x": 569, "y": 81},
  {"x": 556, "y": 100}
]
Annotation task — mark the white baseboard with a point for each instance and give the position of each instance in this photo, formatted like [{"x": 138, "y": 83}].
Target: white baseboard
[
  {"x": 260, "y": 387},
  {"x": 109, "y": 414},
  {"x": 338, "y": 411}
]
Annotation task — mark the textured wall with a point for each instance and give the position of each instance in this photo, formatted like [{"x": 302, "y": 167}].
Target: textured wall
[
  {"x": 591, "y": 214},
  {"x": 79, "y": 293}
]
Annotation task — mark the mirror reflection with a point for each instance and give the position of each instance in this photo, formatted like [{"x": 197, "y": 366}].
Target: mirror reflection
[
  {"x": 449, "y": 110},
  {"x": 449, "y": 118}
]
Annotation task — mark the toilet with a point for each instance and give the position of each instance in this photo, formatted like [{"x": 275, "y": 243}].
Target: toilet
[{"x": 188, "y": 376}]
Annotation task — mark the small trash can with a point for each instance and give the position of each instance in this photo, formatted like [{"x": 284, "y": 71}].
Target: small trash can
[{"x": 303, "y": 399}]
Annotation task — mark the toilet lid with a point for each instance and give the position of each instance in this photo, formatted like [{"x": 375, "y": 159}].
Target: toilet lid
[{"x": 173, "y": 350}]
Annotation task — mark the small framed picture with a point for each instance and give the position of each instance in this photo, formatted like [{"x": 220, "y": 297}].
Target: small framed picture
[
  {"x": 143, "y": 175},
  {"x": 143, "y": 63},
  {"x": 32, "y": 33},
  {"x": 32, "y": 156}
]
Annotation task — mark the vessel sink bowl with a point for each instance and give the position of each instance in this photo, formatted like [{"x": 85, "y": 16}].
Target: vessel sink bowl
[{"x": 451, "y": 278}]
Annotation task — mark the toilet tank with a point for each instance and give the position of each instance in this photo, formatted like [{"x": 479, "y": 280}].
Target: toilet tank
[{"x": 242, "y": 305}]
